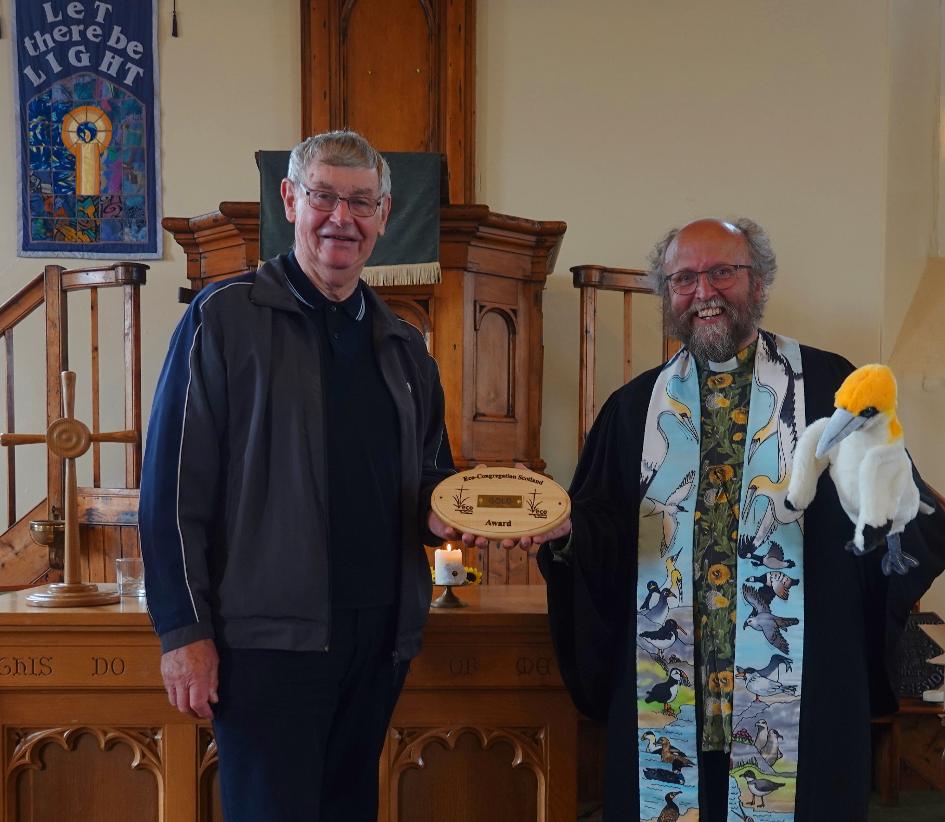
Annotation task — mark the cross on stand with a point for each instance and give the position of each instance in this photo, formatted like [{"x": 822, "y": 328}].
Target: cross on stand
[{"x": 68, "y": 438}]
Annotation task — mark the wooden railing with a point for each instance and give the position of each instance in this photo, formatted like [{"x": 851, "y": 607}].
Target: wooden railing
[
  {"x": 22, "y": 562},
  {"x": 589, "y": 279}
]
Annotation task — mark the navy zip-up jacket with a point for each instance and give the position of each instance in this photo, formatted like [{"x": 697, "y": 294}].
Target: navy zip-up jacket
[{"x": 232, "y": 518}]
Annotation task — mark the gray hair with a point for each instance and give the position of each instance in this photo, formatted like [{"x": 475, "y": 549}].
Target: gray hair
[
  {"x": 347, "y": 149},
  {"x": 764, "y": 265}
]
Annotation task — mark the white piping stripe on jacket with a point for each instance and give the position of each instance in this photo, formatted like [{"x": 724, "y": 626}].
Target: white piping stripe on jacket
[
  {"x": 361, "y": 311},
  {"x": 180, "y": 453}
]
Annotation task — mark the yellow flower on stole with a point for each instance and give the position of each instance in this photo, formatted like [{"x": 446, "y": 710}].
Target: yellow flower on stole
[
  {"x": 719, "y": 574},
  {"x": 714, "y": 601},
  {"x": 717, "y": 401},
  {"x": 726, "y": 681},
  {"x": 719, "y": 381},
  {"x": 739, "y": 415},
  {"x": 720, "y": 473}
]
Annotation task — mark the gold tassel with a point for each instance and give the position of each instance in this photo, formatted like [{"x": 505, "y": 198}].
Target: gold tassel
[{"x": 404, "y": 274}]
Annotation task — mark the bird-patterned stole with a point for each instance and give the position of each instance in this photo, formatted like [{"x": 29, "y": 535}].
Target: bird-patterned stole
[{"x": 769, "y": 638}]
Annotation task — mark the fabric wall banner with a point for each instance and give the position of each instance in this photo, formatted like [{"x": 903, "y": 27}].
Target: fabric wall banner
[{"x": 87, "y": 129}]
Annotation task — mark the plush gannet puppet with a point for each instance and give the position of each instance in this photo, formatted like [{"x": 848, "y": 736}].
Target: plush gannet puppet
[{"x": 863, "y": 445}]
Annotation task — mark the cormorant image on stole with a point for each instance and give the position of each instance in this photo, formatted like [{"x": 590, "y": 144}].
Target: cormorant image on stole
[{"x": 731, "y": 671}]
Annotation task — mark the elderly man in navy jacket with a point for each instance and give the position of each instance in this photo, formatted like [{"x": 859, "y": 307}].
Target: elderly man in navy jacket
[{"x": 296, "y": 435}]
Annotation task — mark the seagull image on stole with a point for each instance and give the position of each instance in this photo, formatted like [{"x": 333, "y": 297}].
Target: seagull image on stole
[
  {"x": 681, "y": 415},
  {"x": 668, "y": 509},
  {"x": 783, "y": 425}
]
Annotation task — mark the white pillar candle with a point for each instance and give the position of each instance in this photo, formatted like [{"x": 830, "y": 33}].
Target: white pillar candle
[{"x": 448, "y": 566}]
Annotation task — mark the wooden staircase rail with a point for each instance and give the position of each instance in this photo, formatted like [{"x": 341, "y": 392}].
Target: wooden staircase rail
[
  {"x": 51, "y": 289},
  {"x": 589, "y": 279}
]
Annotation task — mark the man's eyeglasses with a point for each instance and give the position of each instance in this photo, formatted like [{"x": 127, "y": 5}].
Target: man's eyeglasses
[
  {"x": 328, "y": 201},
  {"x": 720, "y": 277}
]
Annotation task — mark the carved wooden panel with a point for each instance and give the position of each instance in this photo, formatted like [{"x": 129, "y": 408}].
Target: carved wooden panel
[
  {"x": 390, "y": 52},
  {"x": 209, "y": 806},
  {"x": 495, "y": 362},
  {"x": 498, "y": 364},
  {"x": 402, "y": 72},
  {"x": 439, "y": 773},
  {"x": 415, "y": 308},
  {"x": 50, "y": 769}
]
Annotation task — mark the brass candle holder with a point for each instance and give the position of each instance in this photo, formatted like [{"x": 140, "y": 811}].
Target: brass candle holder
[
  {"x": 448, "y": 599},
  {"x": 52, "y": 534}
]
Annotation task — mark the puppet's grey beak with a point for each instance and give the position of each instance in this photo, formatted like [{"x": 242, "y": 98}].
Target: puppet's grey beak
[{"x": 839, "y": 427}]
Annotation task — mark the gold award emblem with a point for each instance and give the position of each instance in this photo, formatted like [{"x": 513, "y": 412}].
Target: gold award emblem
[{"x": 500, "y": 502}]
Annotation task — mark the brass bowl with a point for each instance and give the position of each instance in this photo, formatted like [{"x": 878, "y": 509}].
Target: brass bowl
[
  {"x": 52, "y": 534},
  {"x": 46, "y": 531}
]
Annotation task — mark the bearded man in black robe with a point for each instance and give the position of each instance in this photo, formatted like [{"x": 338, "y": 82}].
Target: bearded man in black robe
[{"x": 714, "y": 277}]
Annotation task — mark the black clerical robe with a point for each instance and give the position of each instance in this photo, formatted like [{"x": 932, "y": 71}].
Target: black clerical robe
[{"x": 854, "y": 615}]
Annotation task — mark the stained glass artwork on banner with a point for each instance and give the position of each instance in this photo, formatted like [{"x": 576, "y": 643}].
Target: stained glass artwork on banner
[{"x": 87, "y": 120}]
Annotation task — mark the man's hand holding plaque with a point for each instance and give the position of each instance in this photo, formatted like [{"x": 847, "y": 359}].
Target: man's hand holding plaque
[{"x": 512, "y": 506}]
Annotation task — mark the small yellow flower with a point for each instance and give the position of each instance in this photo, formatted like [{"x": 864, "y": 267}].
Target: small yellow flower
[
  {"x": 717, "y": 401},
  {"x": 734, "y": 534},
  {"x": 713, "y": 707},
  {"x": 697, "y": 516},
  {"x": 719, "y": 380},
  {"x": 719, "y": 574},
  {"x": 720, "y": 473},
  {"x": 714, "y": 600},
  {"x": 714, "y": 683},
  {"x": 740, "y": 416},
  {"x": 735, "y": 511},
  {"x": 731, "y": 616},
  {"x": 726, "y": 708},
  {"x": 721, "y": 498},
  {"x": 726, "y": 681}
]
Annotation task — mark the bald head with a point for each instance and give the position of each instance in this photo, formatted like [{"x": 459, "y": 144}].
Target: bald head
[{"x": 704, "y": 243}]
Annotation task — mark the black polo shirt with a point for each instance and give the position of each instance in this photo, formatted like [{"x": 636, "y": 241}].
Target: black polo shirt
[{"x": 362, "y": 449}]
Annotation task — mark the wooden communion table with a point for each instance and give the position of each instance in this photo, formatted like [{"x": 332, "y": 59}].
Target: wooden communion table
[{"x": 483, "y": 731}]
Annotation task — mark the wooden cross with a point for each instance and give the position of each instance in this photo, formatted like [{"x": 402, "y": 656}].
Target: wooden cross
[{"x": 68, "y": 438}]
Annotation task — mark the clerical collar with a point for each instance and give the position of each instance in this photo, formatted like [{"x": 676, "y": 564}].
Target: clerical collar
[
  {"x": 743, "y": 357},
  {"x": 307, "y": 294}
]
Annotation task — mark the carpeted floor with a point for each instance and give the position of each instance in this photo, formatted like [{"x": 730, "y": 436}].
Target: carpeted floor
[{"x": 914, "y": 806}]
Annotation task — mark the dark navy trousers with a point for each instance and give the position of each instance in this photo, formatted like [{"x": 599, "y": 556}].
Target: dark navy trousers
[{"x": 300, "y": 734}]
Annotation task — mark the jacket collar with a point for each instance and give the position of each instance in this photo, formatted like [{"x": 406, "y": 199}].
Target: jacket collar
[{"x": 271, "y": 289}]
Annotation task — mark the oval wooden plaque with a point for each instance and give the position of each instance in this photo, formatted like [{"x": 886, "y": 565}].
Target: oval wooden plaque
[{"x": 500, "y": 503}]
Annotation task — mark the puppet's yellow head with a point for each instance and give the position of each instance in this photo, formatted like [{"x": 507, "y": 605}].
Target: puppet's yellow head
[
  {"x": 866, "y": 398},
  {"x": 872, "y": 386}
]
